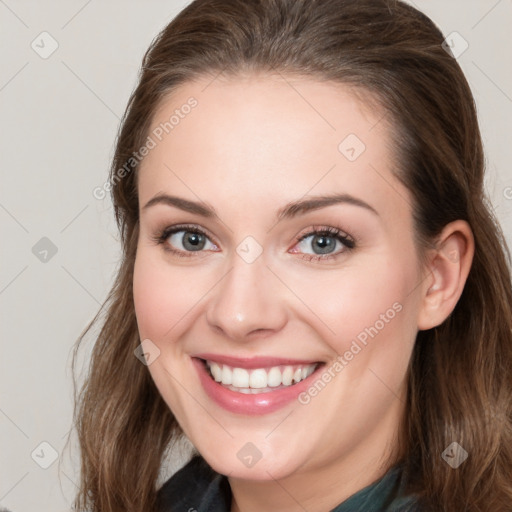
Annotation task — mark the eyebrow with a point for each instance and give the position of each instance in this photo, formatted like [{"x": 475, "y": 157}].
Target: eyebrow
[{"x": 289, "y": 211}]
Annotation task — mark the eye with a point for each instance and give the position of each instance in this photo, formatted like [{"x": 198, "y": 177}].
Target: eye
[
  {"x": 185, "y": 240},
  {"x": 325, "y": 242}
]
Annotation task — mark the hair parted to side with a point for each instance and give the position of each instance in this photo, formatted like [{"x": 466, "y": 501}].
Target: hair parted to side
[{"x": 459, "y": 378}]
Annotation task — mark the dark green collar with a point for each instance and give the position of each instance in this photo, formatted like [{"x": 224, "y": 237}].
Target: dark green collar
[{"x": 384, "y": 495}]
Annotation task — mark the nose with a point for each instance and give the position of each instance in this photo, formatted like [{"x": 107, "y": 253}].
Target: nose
[{"x": 248, "y": 300}]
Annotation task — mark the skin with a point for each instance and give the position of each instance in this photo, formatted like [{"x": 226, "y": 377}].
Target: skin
[{"x": 251, "y": 146}]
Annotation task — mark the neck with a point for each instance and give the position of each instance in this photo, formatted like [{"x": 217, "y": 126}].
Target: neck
[{"x": 317, "y": 488}]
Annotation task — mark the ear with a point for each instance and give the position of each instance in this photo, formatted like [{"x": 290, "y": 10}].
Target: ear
[{"x": 447, "y": 269}]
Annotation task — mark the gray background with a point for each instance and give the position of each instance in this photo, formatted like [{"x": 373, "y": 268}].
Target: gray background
[{"x": 59, "y": 120}]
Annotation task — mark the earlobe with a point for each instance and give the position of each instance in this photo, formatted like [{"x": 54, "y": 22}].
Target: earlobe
[{"x": 448, "y": 268}]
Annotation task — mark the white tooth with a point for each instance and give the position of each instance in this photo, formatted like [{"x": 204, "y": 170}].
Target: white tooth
[
  {"x": 307, "y": 371},
  {"x": 216, "y": 371},
  {"x": 311, "y": 369},
  {"x": 258, "y": 379},
  {"x": 245, "y": 391},
  {"x": 287, "y": 375},
  {"x": 274, "y": 377},
  {"x": 227, "y": 376},
  {"x": 240, "y": 378},
  {"x": 254, "y": 381}
]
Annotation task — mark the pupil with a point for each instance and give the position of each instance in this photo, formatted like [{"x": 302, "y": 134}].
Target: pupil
[
  {"x": 325, "y": 243},
  {"x": 195, "y": 241}
]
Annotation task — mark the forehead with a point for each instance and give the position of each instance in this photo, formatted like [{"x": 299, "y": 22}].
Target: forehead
[
  {"x": 269, "y": 139},
  {"x": 259, "y": 106}
]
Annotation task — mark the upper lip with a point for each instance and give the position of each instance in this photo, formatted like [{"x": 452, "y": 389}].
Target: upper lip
[{"x": 254, "y": 362}]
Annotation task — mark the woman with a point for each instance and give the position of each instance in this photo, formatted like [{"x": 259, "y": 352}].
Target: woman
[{"x": 313, "y": 289}]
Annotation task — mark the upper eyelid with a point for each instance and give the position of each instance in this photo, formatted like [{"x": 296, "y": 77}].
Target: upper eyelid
[
  {"x": 330, "y": 230},
  {"x": 317, "y": 228}
]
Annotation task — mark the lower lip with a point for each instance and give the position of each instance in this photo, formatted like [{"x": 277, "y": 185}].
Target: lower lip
[{"x": 254, "y": 404}]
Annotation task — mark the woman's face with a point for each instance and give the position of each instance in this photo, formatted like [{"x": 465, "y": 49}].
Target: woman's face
[{"x": 262, "y": 296}]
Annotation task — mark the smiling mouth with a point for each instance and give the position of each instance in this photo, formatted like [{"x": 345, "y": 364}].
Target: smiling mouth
[{"x": 259, "y": 380}]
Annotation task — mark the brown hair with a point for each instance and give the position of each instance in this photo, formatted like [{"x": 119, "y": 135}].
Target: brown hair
[{"x": 459, "y": 378}]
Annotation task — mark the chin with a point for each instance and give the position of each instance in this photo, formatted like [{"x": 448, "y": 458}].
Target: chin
[{"x": 237, "y": 463}]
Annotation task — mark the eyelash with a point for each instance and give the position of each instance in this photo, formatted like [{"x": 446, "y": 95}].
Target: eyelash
[{"x": 330, "y": 231}]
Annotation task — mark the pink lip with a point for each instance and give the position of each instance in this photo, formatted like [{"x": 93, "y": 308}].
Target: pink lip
[
  {"x": 240, "y": 403},
  {"x": 252, "y": 362}
]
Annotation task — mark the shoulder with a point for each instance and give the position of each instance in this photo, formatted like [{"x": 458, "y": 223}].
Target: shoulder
[{"x": 196, "y": 486}]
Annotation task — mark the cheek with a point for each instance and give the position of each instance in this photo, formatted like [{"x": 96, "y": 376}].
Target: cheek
[
  {"x": 162, "y": 300},
  {"x": 365, "y": 306},
  {"x": 165, "y": 295},
  {"x": 158, "y": 296},
  {"x": 369, "y": 302}
]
